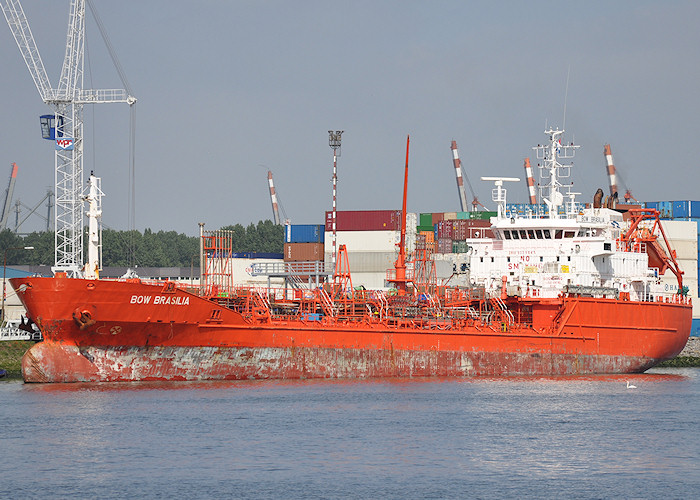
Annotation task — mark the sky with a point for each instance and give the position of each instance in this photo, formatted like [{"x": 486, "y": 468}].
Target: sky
[{"x": 228, "y": 90}]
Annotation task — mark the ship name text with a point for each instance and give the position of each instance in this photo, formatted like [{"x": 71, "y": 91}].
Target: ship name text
[{"x": 160, "y": 300}]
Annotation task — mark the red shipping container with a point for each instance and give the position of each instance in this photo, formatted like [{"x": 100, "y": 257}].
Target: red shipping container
[
  {"x": 437, "y": 217},
  {"x": 444, "y": 245},
  {"x": 364, "y": 220},
  {"x": 301, "y": 252},
  {"x": 445, "y": 229}
]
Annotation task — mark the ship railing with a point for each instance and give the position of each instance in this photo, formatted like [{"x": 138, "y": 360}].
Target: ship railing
[{"x": 632, "y": 247}]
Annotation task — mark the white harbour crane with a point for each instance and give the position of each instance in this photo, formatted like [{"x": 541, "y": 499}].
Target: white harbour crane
[{"x": 67, "y": 101}]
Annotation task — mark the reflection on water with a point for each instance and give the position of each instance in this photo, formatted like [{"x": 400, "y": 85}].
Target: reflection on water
[{"x": 588, "y": 437}]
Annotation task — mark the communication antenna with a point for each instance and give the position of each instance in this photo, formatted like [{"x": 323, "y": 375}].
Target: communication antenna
[{"x": 566, "y": 96}]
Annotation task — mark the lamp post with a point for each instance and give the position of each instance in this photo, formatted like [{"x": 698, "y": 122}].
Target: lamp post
[
  {"x": 4, "y": 282},
  {"x": 334, "y": 139}
]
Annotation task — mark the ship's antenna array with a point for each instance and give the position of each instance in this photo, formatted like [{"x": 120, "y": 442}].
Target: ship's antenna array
[{"x": 551, "y": 170}]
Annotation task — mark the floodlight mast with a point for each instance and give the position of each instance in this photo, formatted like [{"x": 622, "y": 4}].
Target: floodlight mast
[{"x": 67, "y": 101}]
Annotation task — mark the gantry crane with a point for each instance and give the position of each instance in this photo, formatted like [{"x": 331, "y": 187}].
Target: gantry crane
[{"x": 67, "y": 101}]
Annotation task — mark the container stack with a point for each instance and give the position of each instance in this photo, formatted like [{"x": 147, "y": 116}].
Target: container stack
[
  {"x": 451, "y": 229},
  {"x": 371, "y": 238},
  {"x": 303, "y": 242},
  {"x": 681, "y": 222}
]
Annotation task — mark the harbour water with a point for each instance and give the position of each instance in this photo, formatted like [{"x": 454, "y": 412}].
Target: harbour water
[{"x": 563, "y": 437}]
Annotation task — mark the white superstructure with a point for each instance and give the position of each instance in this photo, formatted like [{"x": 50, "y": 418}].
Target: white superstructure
[{"x": 544, "y": 255}]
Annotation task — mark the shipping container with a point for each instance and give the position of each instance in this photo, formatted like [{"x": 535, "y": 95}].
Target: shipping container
[
  {"x": 685, "y": 249},
  {"x": 665, "y": 209},
  {"x": 304, "y": 233},
  {"x": 695, "y": 209},
  {"x": 462, "y": 215},
  {"x": 368, "y": 262},
  {"x": 444, "y": 245},
  {"x": 652, "y": 204},
  {"x": 482, "y": 215},
  {"x": 365, "y": 220},
  {"x": 444, "y": 229},
  {"x": 681, "y": 209},
  {"x": 365, "y": 241},
  {"x": 437, "y": 217},
  {"x": 425, "y": 220},
  {"x": 459, "y": 246},
  {"x": 680, "y": 230},
  {"x": 429, "y": 236},
  {"x": 450, "y": 216},
  {"x": 423, "y": 229},
  {"x": 302, "y": 252}
]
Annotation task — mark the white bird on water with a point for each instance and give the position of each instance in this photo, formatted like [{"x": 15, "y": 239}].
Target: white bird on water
[{"x": 630, "y": 386}]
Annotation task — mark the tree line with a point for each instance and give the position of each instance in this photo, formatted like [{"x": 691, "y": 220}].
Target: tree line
[{"x": 147, "y": 249}]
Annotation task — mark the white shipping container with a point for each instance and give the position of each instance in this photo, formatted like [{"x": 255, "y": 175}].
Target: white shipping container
[
  {"x": 364, "y": 241},
  {"x": 685, "y": 230},
  {"x": 685, "y": 249},
  {"x": 371, "y": 281},
  {"x": 367, "y": 262},
  {"x": 242, "y": 272}
]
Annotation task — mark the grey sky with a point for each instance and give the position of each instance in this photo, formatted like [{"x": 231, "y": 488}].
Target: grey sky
[{"x": 228, "y": 90}]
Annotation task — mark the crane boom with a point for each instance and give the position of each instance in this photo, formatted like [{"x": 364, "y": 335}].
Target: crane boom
[
  {"x": 17, "y": 21},
  {"x": 460, "y": 181},
  {"x": 273, "y": 198},
  {"x": 8, "y": 198}
]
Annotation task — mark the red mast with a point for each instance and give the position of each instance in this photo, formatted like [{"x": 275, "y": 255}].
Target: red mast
[{"x": 400, "y": 264}]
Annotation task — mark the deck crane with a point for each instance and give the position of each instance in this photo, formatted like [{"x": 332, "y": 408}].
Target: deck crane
[
  {"x": 67, "y": 101},
  {"x": 8, "y": 198},
  {"x": 460, "y": 182}
]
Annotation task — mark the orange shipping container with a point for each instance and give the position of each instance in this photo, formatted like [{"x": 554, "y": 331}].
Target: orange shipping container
[{"x": 301, "y": 252}]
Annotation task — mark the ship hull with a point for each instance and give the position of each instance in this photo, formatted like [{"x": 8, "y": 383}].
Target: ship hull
[
  {"x": 131, "y": 331},
  {"x": 54, "y": 362}
]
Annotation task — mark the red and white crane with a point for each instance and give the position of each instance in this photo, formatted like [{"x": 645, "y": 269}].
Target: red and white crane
[
  {"x": 273, "y": 198},
  {"x": 532, "y": 195},
  {"x": 461, "y": 177}
]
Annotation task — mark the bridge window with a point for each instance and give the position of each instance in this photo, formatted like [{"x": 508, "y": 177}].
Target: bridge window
[
  {"x": 531, "y": 234},
  {"x": 558, "y": 234},
  {"x": 538, "y": 232},
  {"x": 506, "y": 234},
  {"x": 547, "y": 234}
]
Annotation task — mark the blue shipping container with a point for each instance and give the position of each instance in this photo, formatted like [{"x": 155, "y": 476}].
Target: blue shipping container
[
  {"x": 666, "y": 209},
  {"x": 652, "y": 204},
  {"x": 695, "y": 209},
  {"x": 305, "y": 233},
  {"x": 681, "y": 209}
]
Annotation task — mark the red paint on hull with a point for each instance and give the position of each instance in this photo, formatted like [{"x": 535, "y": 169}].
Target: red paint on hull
[{"x": 180, "y": 336}]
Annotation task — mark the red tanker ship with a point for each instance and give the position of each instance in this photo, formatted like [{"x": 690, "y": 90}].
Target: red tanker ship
[{"x": 566, "y": 292}]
